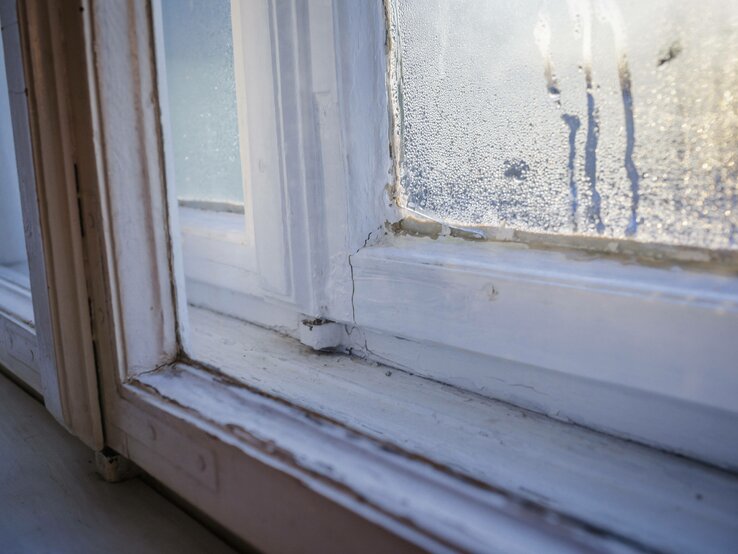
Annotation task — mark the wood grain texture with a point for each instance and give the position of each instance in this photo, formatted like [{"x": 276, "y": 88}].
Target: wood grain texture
[
  {"x": 51, "y": 499},
  {"x": 46, "y": 383},
  {"x": 510, "y": 314},
  {"x": 46, "y": 36},
  {"x": 660, "y": 501}
]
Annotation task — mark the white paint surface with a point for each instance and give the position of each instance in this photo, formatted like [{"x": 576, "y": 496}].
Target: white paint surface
[{"x": 656, "y": 499}]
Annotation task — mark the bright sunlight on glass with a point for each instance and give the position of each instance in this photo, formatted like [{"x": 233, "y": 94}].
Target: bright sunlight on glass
[{"x": 603, "y": 118}]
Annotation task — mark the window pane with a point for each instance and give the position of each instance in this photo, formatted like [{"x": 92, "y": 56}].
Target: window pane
[
  {"x": 612, "y": 118},
  {"x": 202, "y": 92},
  {"x": 198, "y": 46},
  {"x": 13, "y": 258}
]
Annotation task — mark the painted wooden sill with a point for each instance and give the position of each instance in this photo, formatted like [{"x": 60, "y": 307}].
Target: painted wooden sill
[
  {"x": 458, "y": 469},
  {"x": 645, "y": 352}
]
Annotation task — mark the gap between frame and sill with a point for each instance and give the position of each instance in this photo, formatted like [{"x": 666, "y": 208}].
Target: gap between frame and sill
[{"x": 633, "y": 495}]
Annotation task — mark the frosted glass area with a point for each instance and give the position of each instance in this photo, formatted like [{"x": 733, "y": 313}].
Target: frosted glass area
[
  {"x": 602, "y": 118},
  {"x": 198, "y": 45},
  {"x": 13, "y": 257}
]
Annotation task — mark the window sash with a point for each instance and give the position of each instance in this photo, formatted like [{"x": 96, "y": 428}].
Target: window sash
[{"x": 517, "y": 316}]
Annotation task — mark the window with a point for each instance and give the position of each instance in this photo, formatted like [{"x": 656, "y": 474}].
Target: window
[
  {"x": 556, "y": 127},
  {"x": 276, "y": 331},
  {"x": 604, "y": 119},
  {"x": 45, "y": 313},
  {"x": 598, "y": 187},
  {"x": 203, "y": 123}
]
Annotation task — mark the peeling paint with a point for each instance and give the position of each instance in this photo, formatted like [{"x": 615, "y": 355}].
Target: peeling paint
[{"x": 723, "y": 262}]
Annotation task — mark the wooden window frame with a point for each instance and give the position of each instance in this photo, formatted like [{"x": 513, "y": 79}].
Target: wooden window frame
[
  {"x": 54, "y": 356},
  {"x": 254, "y": 459},
  {"x": 526, "y": 319}
]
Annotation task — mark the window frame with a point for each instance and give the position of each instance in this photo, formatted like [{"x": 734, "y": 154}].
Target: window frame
[
  {"x": 489, "y": 342},
  {"x": 209, "y": 462},
  {"x": 344, "y": 251},
  {"x": 49, "y": 172},
  {"x": 288, "y": 460},
  {"x": 213, "y": 468},
  {"x": 537, "y": 362},
  {"x": 53, "y": 356}
]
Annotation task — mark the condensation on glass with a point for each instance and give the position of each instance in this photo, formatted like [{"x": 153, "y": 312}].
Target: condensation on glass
[
  {"x": 13, "y": 256},
  {"x": 203, "y": 115},
  {"x": 602, "y": 118}
]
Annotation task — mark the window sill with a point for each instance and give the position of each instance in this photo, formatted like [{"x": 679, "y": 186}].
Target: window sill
[
  {"x": 643, "y": 352},
  {"x": 441, "y": 467}
]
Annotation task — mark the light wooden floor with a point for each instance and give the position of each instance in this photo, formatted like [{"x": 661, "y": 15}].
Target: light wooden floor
[{"x": 51, "y": 499}]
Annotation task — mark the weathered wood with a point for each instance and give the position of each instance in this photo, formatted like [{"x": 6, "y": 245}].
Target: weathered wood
[
  {"x": 659, "y": 500},
  {"x": 653, "y": 347},
  {"x": 44, "y": 80}
]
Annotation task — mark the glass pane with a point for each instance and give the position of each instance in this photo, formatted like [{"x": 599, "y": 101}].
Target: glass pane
[
  {"x": 201, "y": 90},
  {"x": 611, "y": 118},
  {"x": 198, "y": 45},
  {"x": 13, "y": 258}
]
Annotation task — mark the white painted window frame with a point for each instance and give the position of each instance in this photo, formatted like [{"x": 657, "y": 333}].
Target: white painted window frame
[
  {"x": 279, "y": 456},
  {"x": 53, "y": 355},
  {"x": 630, "y": 339},
  {"x": 254, "y": 458},
  {"x": 521, "y": 323}
]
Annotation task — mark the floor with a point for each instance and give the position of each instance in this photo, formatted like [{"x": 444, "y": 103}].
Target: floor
[{"x": 52, "y": 500}]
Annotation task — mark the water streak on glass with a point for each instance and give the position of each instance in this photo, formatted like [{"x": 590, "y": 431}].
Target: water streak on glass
[
  {"x": 588, "y": 117},
  {"x": 198, "y": 46}
]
